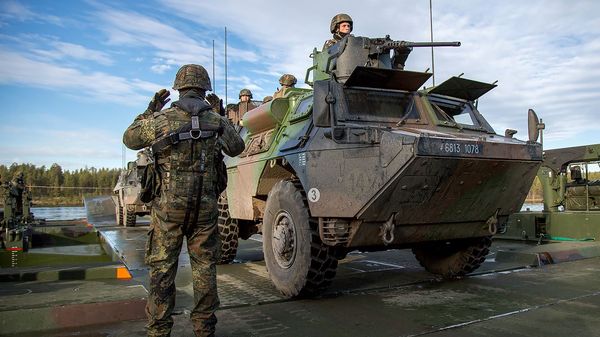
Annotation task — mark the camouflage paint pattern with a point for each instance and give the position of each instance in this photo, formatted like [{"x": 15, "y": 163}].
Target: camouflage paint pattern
[
  {"x": 192, "y": 76},
  {"x": 337, "y": 19},
  {"x": 162, "y": 254},
  {"x": 288, "y": 80},
  {"x": 179, "y": 166}
]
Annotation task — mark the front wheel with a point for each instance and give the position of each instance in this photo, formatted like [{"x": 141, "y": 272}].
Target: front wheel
[
  {"x": 453, "y": 259},
  {"x": 297, "y": 261}
]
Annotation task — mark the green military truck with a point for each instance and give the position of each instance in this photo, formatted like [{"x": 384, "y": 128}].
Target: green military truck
[
  {"x": 366, "y": 160},
  {"x": 570, "y": 180}
]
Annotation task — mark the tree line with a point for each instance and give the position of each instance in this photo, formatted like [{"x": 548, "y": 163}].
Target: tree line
[{"x": 53, "y": 186}]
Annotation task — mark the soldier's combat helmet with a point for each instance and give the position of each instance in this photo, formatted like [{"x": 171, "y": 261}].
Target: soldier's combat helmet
[
  {"x": 288, "y": 80},
  {"x": 245, "y": 92},
  {"x": 339, "y": 18},
  {"x": 192, "y": 76}
]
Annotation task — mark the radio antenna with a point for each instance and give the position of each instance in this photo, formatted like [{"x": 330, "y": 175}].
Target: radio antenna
[
  {"x": 225, "y": 65},
  {"x": 431, "y": 36}
]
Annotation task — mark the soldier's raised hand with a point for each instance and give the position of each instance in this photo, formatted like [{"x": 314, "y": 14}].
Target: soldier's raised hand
[{"x": 159, "y": 100}]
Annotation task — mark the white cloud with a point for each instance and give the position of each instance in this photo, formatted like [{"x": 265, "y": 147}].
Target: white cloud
[
  {"x": 129, "y": 28},
  {"x": 17, "y": 69},
  {"x": 13, "y": 10},
  {"x": 160, "y": 68},
  {"x": 74, "y": 51}
]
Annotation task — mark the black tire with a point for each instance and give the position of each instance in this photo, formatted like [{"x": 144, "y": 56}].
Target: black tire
[
  {"x": 119, "y": 215},
  {"x": 228, "y": 232},
  {"x": 130, "y": 217},
  {"x": 297, "y": 261},
  {"x": 453, "y": 259}
]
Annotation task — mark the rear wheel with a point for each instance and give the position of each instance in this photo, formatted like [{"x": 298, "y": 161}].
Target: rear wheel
[
  {"x": 297, "y": 261},
  {"x": 228, "y": 232},
  {"x": 453, "y": 259},
  {"x": 130, "y": 216}
]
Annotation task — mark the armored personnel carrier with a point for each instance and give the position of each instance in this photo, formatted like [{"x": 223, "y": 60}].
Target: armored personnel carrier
[
  {"x": 126, "y": 192},
  {"x": 367, "y": 160}
]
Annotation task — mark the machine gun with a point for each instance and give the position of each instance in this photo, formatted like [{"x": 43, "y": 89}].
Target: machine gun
[
  {"x": 381, "y": 45},
  {"x": 342, "y": 58}
]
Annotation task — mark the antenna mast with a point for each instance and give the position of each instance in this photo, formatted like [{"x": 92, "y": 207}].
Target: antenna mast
[
  {"x": 431, "y": 36},
  {"x": 225, "y": 65}
]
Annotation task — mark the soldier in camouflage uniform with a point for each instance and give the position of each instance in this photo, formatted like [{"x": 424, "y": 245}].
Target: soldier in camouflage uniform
[
  {"x": 185, "y": 140},
  {"x": 242, "y": 107},
  {"x": 341, "y": 25},
  {"x": 286, "y": 81},
  {"x": 18, "y": 184}
]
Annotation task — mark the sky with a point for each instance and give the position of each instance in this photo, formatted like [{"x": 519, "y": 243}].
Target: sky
[{"x": 74, "y": 74}]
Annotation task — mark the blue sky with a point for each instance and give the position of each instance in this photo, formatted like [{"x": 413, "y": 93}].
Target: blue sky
[{"x": 74, "y": 74}]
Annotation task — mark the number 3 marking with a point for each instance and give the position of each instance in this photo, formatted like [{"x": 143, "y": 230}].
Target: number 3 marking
[{"x": 314, "y": 195}]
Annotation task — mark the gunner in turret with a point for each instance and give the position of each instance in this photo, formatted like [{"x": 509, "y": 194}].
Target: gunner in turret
[{"x": 341, "y": 25}]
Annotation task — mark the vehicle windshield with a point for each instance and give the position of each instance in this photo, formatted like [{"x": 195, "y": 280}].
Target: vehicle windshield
[
  {"x": 457, "y": 112},
  {"x": 378, "y": 106}
]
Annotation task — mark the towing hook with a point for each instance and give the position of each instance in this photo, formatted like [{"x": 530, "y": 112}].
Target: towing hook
[
  {"x": 492, "y": 223},
  {"x": 387, "y": 230}
]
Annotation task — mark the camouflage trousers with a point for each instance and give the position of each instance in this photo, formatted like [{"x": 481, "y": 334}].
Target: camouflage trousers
[{"x": 165, "y": 239}]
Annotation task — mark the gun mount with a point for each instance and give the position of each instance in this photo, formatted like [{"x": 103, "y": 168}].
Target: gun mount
[{"x": 341, "y": 59}]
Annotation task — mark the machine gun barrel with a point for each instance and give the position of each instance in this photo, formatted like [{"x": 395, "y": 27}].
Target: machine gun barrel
[{"x": 408, "y": 44}]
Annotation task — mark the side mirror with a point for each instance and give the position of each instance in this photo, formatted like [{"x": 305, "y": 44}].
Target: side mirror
[{"x": 534, "y": 127}]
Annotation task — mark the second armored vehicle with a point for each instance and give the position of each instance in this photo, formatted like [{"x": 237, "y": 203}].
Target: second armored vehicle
[
  {"x": 571, "y": 206},
  {"x": 126, "y": 192},
  {"x": 368, "y": 161}
]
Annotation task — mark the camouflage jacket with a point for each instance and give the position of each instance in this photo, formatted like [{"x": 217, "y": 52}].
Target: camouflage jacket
[
  {"x": 329, "y": 43},
  {"x": 335, "y": 39},
  {"x": 179, "y": 164}
]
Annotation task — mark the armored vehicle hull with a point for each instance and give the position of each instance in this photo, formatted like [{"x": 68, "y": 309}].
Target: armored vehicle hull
[
  {"x": 127, "y": 190},
  {"x": 368, "y": 161}
]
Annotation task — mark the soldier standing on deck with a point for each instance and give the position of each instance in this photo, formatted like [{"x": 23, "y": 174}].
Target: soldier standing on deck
[
  {"x": 186, "y": 140},
  {"x": 341, "y": 25}
]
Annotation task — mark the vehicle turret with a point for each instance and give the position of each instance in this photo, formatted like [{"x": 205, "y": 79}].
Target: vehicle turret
[{"x": 340, "y": 60}]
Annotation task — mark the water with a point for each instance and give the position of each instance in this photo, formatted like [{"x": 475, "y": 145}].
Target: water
[
  {"x": 59, "y": 213},
  {"x": 74, "y": 213}
]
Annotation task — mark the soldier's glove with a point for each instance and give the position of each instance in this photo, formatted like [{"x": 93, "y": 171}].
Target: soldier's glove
[{"x": 159, "y": 100}]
